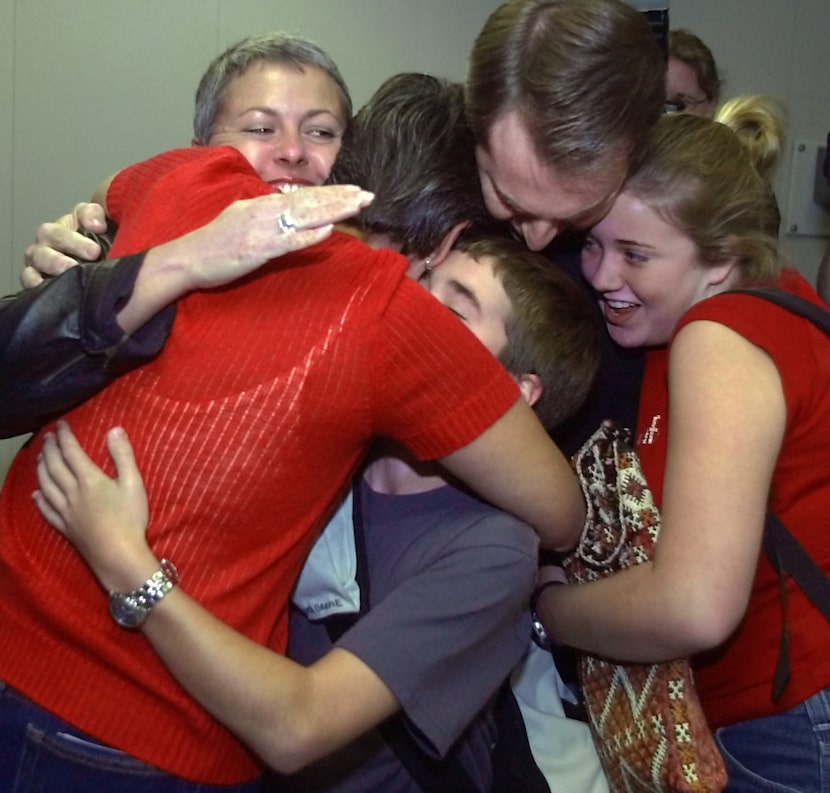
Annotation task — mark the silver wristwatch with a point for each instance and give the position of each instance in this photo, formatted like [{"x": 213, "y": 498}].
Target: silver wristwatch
[
  {"x": 130, "y": 609},
  {"x": 538, "y": 632}
]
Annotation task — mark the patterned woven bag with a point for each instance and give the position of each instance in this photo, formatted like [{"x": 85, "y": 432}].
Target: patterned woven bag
[{"x": 646, "y": 719}]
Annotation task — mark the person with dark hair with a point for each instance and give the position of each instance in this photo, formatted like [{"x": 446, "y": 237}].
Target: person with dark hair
[
  {"x": 420, "y": 534},
  {"x": 693, "y": 84},
  {"x": 558, "y": 126},
  {"x": 558, "y": 123},
  {"x": 327, "y": 351},
  {"x": 501, "y": 290},
  {"x": 418, "y": 208}
]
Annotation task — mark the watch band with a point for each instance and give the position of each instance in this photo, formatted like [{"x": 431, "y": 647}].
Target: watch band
[
  {"x": 538, "y": 632},
  {"x": 130, "y": 609}
]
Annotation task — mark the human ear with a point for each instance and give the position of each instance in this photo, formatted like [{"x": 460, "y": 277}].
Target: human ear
[
  {"x": 530, "y": 386},
  {"x": 722, "y": 276},
  {"x": 446, "y": 245}
]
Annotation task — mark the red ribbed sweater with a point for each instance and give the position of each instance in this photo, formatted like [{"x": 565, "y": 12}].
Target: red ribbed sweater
[{"x": 246, "y": 429}]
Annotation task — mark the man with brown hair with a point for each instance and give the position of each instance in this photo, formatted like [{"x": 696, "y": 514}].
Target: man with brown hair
[{"x": 560, "y": 93}]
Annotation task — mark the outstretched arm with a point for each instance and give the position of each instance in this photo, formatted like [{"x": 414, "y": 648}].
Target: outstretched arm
[
  {"x": 68, "y": 338},
  {"x": 726, "y": 425},
  {"x": 289, "y": 714},
  {"x": 241, "y": 239}
]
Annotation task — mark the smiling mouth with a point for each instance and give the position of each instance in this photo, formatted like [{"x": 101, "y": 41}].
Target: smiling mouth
[
  {"x": 619, "y": 305},
  {"x": 284, "y": 186},
  {"x": 617, "y": 311}
]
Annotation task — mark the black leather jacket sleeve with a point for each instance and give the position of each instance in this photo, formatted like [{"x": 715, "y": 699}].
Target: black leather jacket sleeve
[{"x": 60, "y": 342}]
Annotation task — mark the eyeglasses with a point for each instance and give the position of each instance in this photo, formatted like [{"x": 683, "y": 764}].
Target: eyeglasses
[{"x": 681, "y": 102}]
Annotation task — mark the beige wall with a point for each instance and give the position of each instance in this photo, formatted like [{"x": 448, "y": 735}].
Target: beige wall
[{"x": 88, "y": 86}]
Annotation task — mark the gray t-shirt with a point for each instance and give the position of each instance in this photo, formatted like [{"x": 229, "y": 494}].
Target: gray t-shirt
[{"x": 450, "y": 578}]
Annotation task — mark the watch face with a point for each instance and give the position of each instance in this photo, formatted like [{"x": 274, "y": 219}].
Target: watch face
[
  {"x": 127, "y": 611},
  {"x": 539, "y": 634}
]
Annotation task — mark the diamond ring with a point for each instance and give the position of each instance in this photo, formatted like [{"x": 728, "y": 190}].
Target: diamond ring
[{"x": 286, "y": 223}]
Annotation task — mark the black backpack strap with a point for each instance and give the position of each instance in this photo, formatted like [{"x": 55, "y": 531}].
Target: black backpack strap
[
  {"x": 788, "y": 556},
  {"x": 432, "y": 775},
  {"x": 784, "y": 551},
  {"x": 514, "y": 766},
  {"x": 794, "y": 560},
  {"x": 792, "y": 303}
]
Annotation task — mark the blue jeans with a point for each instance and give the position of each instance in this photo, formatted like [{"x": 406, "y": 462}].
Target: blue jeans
[
  {"x": 39, "y": 753},
  {"x": 785, "y": 753}
]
